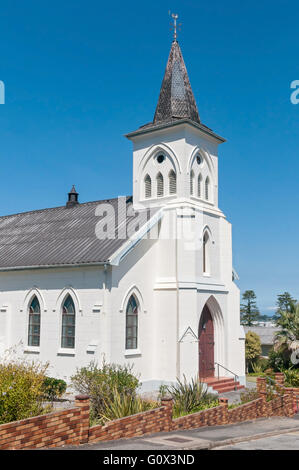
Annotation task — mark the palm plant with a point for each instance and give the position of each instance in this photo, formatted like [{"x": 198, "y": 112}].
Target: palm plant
[{"x": 287, "y": 338}]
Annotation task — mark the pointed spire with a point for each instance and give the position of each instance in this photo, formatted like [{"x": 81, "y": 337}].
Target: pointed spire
[
  {"x": 72, "y": 197},
  {"x": 176, "y": 100}
]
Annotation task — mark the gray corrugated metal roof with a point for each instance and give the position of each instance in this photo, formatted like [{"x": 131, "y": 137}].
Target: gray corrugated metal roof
[
  {"x": 266, "y": 333},
  {"x": 59, "y": 236}
]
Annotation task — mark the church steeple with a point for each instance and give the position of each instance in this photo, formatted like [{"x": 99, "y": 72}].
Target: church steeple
[{"x": 176, "y": 99}]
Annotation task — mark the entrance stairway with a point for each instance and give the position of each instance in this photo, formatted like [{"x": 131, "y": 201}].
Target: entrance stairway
[{"x": 222, "y": 384}]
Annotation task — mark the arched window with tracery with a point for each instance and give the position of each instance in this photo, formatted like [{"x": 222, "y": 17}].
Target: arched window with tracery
[
  {"x": 68, "y": 323},
  {"x": 132, "y": 323},
  {"x": 34, "y": 323}
]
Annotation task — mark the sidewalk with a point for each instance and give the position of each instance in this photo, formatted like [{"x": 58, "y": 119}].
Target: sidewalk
[{"x": 202, "y": 438}]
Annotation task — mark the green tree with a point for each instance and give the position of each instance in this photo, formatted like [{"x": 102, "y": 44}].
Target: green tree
[
  {"x": 253, "y": 348},
  {"x": 249, "y": 310},
  {"x": 287, "y": 338},
  {"x": 284, "y": 304}
]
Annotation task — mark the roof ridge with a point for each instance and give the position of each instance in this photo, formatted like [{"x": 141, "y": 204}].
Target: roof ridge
[{"x": 35, "y": 211}]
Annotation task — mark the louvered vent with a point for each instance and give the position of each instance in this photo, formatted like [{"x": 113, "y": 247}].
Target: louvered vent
[
  {"x": 207, "y": 183},
  {"x": 191, "y": 182},
  {"x": 172, "y": 182},
  {"x": 199, "y": 186},
  {"x": 160, "y": 185},
  {"x": 148, "y": 187}
]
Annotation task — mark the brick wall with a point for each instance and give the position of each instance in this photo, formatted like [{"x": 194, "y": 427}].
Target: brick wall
[
  {"x": 72, "y": 426},
  {"x": 156, "y": 420},
  {"x": 292, "y": 391},
  {"x": 211, "y": 417},
  {"x": 247, "y": 412},
  {"x": 49, "y": 430}
]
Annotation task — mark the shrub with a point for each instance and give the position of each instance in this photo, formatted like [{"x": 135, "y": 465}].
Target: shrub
[
  {"x": 252, "y": 348},
  {"x": 21, "y": 390},
  {"x": 291, "y": 377},
  {"x": 190, "y": 397},
  {"x": 249, "y": 394},
  {"x": 53, "y": 388},
  {"x": 262, "y": 363},
  {"x": 278, "y": 360},
  {"x": 119, "y": 405},
  {"x": 257, "y": 369},
  {"x": 100, "y": 384}
]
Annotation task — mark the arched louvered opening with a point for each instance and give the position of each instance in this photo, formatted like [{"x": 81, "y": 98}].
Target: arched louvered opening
[
  {"x": 172, "y": 182},
  {"x": 207, "y": 188},
  {"x": 192, "y": 183},
  {"x": 160, "y": 185},
  {"x": 199, "y": 184},
  {"x": 34, "y": 323},
  {"x": 132, "y": 323},
  {"x": 147, "y": 187},
  {"x": 68, "y": 323}
]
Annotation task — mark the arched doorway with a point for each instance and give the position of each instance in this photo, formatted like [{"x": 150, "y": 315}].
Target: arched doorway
[{"x": 206, "y": 344}]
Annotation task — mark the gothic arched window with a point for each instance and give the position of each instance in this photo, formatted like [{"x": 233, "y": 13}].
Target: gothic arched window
[
  {"x": 147, "y": 187},
  {"x": 132, "y": 323},
  {"x": 172, "y": 182},
  {"x": 192, "y": 182},
  {"x": 160, "y": 185},
  {"x": 68, "y": 323},
  {"x": 207, "y": 185},
  {"x": 34, "y": 323}
]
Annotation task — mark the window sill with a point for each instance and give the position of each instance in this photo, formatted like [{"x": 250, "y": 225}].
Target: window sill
[
  {"x": 132, "y": 352},
  {"x": 66, "y": 352},
  {"x": 32, "y": 350}
]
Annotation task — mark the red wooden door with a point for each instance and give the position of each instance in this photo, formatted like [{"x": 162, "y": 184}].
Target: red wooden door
[{"x": 206, "y": 344}]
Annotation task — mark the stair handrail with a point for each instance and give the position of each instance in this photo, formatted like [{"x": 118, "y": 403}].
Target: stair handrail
[{"x": 223, "y": 367}]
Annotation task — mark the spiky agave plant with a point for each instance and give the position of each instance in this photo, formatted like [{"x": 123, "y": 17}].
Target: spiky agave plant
[
  {"x": 188, "y": 396},
  {"x": 119, "y": 405}
]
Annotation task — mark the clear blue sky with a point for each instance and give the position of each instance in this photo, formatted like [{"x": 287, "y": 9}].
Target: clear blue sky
[{"x": 79, "y": 74}]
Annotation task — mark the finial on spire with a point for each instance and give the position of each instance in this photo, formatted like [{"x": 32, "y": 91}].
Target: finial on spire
[{"x": 175, "y": 26}]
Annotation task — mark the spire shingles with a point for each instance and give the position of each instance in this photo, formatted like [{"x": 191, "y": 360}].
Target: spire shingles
[{"x": 176, "y": 99}]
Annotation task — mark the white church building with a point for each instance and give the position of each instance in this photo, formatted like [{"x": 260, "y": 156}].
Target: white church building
[{"x": 145, "y": 279}]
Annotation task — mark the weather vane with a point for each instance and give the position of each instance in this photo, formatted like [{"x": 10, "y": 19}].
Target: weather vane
[{"x": 175, "y": 26}]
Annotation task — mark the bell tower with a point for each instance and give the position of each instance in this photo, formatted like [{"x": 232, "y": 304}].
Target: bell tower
[{"x": 175, "y": 157}]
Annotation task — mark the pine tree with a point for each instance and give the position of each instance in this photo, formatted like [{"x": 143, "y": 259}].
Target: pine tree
[
  {"x": 285, "y": 303},
  {"x": 249, "y": 310}
]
